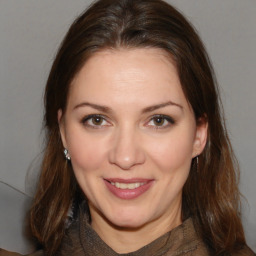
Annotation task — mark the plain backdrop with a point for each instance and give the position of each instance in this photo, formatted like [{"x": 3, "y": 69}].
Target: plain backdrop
[{"x": 30, "y": 32}]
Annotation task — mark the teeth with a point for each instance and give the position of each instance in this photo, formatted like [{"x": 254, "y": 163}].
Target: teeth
[{"x": 127, "y": 185}]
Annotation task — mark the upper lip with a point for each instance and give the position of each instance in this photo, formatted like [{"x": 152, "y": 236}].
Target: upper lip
[{"x": 131, "y": 180}]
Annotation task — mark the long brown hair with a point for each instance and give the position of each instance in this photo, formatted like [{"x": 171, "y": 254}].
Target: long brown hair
[{"x": 211, "y": 194}]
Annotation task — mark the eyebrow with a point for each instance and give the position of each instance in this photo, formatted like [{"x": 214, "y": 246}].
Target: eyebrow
[
  {"x": 95, "y": 106},
  {"x": 144, "y": 110},
  {"x": 161, "y": 105}
]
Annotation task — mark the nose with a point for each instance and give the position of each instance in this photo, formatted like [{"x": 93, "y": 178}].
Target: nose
[{"x": 126, "y": 150}]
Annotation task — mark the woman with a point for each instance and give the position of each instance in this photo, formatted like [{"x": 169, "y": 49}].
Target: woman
[{"x": 148, "y": 168}]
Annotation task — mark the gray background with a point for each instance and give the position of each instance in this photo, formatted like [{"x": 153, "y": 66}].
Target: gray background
[{"x": 30, "y": 32}]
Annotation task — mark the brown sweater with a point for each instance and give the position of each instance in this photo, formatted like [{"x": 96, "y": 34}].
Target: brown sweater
[{"x": 81, "y": 240}]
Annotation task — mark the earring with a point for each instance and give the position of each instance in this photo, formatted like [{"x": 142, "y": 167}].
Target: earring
[
  {"x": 67, "y": 156},
  {"x": 197, "y": 164}
]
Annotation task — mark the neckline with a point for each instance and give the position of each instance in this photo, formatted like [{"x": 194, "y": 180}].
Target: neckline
[{"x": 183, "y": 238}]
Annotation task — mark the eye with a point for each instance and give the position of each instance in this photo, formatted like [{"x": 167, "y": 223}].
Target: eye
[
  {"x": 160, "y": 121},
  {"x": 95, "y": 121}
]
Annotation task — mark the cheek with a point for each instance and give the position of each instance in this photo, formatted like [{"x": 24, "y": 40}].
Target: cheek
[
  {"x": 173, "y": 153},
  {"x": 87, "y": 153}
]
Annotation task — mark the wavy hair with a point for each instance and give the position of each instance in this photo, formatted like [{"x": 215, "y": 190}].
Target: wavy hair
[{"x": 211, "y": 194}]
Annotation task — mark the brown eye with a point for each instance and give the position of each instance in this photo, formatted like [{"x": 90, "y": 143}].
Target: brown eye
[
  {"x": 97, "y": 120},
  {"x": 158, "y": 121}
]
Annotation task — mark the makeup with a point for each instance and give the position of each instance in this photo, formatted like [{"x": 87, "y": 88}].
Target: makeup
[{"x": 128, "y": 189}]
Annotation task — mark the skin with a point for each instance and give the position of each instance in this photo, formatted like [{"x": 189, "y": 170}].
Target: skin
[{"x": 129, "y": 141}]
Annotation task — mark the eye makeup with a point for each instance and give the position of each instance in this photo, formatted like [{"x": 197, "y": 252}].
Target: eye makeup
[{"x": 95, "y": 121}]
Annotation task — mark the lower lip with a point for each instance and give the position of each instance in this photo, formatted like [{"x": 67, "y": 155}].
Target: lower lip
[{"x": 128, "y": 193}]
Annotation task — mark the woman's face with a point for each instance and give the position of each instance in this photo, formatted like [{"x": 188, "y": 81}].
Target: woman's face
[{"x": 131, "y": 135}]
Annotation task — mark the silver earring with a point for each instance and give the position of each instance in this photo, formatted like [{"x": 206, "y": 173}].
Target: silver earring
[{"x": 67, "y": 156}]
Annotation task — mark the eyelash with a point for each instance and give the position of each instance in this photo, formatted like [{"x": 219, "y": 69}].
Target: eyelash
[
  {"x": 170, "y": 120},
  {"x": 86, "y": 119}
]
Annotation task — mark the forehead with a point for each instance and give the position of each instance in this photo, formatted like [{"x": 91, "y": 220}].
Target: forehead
[{"x": 131, "y": 74}]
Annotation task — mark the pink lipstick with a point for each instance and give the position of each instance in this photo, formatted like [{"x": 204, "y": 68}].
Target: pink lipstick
[{"x": 128, "y": 188}]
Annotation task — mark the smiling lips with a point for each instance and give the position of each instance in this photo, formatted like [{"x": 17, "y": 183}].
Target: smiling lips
[
  {"x": 127, "y": 185},
  {"x": 128, "y": 189}
]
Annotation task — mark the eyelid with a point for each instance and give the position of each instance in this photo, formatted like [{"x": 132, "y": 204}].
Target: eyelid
[
  {"x": 88, "y": 117},
  {"x": 170, "y": 120}
]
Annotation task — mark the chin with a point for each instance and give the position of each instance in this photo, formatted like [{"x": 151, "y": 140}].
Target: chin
[
  {"x": 128, "y": 224},
  {"x": 131, "y": 220}
]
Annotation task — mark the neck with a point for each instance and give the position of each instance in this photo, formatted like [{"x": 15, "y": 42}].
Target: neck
[{"x": 126, "y": 239}]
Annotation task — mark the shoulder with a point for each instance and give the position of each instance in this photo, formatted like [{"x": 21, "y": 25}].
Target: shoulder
[
  {"x": 185, "y": 241},
  {"x": 71, "y": 244},
  {"x": 201, "y": 250}
]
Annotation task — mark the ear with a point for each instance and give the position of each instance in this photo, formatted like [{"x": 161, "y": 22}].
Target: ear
[
  {"x": 62, "y": 128},
  {"x": 200, "y": 137}
]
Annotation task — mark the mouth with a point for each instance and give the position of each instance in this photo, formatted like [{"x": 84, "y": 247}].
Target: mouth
[
  {"x": 127, "y": 185},
  {"x": 128, "y": 188}
]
